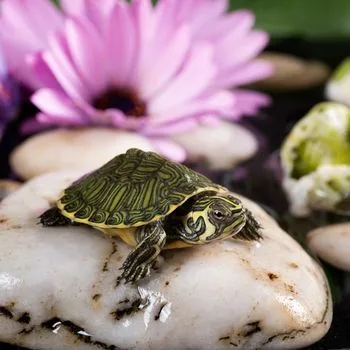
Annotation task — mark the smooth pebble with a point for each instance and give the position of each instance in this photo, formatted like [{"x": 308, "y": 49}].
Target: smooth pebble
[
  {"x": 332, "y": 244},
  {"x": 59, "y": 287},
  {"x": 218, "y": 147},
  {"x": 292, "y": 73}
]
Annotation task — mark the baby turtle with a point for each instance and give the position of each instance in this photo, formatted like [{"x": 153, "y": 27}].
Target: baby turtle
[{"x": 152, "y": 204}]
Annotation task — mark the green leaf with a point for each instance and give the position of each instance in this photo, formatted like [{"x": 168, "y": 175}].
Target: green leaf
[{"x": 305, "y": 18}]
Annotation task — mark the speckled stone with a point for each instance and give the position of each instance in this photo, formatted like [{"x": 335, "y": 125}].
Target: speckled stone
[
  {"x": 59, "y": 287},
  {"x": 332, "y": 244}
]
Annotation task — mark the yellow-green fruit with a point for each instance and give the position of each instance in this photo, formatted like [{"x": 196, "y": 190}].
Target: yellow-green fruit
[
  {"x": 316, "y": 160},
  {"x": 321, "y": 137}
]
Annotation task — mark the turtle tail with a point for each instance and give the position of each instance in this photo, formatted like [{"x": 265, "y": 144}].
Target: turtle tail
[{"x": 53, "y": 217}]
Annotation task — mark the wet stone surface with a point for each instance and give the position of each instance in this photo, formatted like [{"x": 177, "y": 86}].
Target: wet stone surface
[
  {"x": 332, "y": 244},
  {"x": 59, "y": 286}
]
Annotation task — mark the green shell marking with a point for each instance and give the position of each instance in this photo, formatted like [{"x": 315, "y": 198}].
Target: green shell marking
[{"x": 130, "y": 190}]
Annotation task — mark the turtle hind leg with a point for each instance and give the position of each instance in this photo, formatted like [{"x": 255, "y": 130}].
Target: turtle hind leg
[
  {"x": 53, "y": 217},
  {"x": 151, "y": 240},
  {"x": 251, "y": 231}
]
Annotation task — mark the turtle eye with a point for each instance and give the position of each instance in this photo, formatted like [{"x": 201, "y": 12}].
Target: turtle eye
[{"x": 218, "y": 214}]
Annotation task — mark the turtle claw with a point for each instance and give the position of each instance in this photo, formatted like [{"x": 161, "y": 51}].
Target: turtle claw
[
  {"x": 139, "y": 262},
  {"x": 133, "y": 276}
]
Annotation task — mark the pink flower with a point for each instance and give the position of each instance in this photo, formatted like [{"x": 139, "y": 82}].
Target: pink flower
[
  {"x": 235, "y": 45},
  {"x": 156, "y": 70},
  {"x": 24, "y": 29},
  {"x": 25, "y": 26}
]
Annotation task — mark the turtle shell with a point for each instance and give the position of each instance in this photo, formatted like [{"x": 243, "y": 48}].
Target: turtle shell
[{"x": 133, "y": 189}]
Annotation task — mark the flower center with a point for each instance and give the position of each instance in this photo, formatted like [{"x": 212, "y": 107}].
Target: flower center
[{"x": 124, "y": 100}]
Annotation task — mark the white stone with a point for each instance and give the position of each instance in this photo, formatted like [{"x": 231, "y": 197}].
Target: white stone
[
  {"x": 72, "y": 149},
  {"x": 7, "y": 187},
  {"x": 223, "y": 295},
  {"x": 292, "y": 73},
  {"x": 332, "y": 244},
  {"x": 218, "y": 147}
]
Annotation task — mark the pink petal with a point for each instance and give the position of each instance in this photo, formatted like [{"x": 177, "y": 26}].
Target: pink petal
[
  {"x": 59, "y": 61},
  {"x": 191, "y": 81},
  {"x": 45, "y": 18},
  {"x": 87, "y": 53},
  {"x": 75, "y": 7},
  {"x": 165, "y": 129},
  {"x": 169, "y": 149},
  {"x": 42, "y": 72},
  {"x": 210, "y": 120},
  {"x": 144, "y": 15},
  {"x": 113, "y": 117},
  {"x": 15, "y": 18},
  {"x": 51, "y": 120},
  {"x": 32, "y": 126},
  {"x": 249, "y": 102},
  {"x": 3, "y": 65},
  {"x": 56, "y": 104},
  {"x": 26, "y": 75},
  {"x": 165, "y": 16},
  {"x": 27, "y": 24},
  {"x": 93, "y": 10},
  {"x": 207, "y": 12},
  {"x": 122, "y": 121},
  {"x": 221, "y": 102},
  {"x": 165, "y": 28},
  {"x": 11, "y": 47},
  {"x": 24, "y": 28},
  {"x": 229, "y": 27},
  {"x": 94, "y": 13},
  {"x": 248, "y": 46},
  {"x": 121, "y": 40},
  {"x": 166, "y": 64},
  {"x": 199, "y": 12},
  {"x": 15, "y": 53},
  {"x": 117, "y": 118},
  {"x": 245, "y": 74}
]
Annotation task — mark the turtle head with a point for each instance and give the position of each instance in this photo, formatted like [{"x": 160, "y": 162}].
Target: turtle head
[{"x": 214, "y": 217}]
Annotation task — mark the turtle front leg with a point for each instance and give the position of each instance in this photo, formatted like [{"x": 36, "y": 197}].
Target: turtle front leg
[{"x": 151, "y": 239}]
